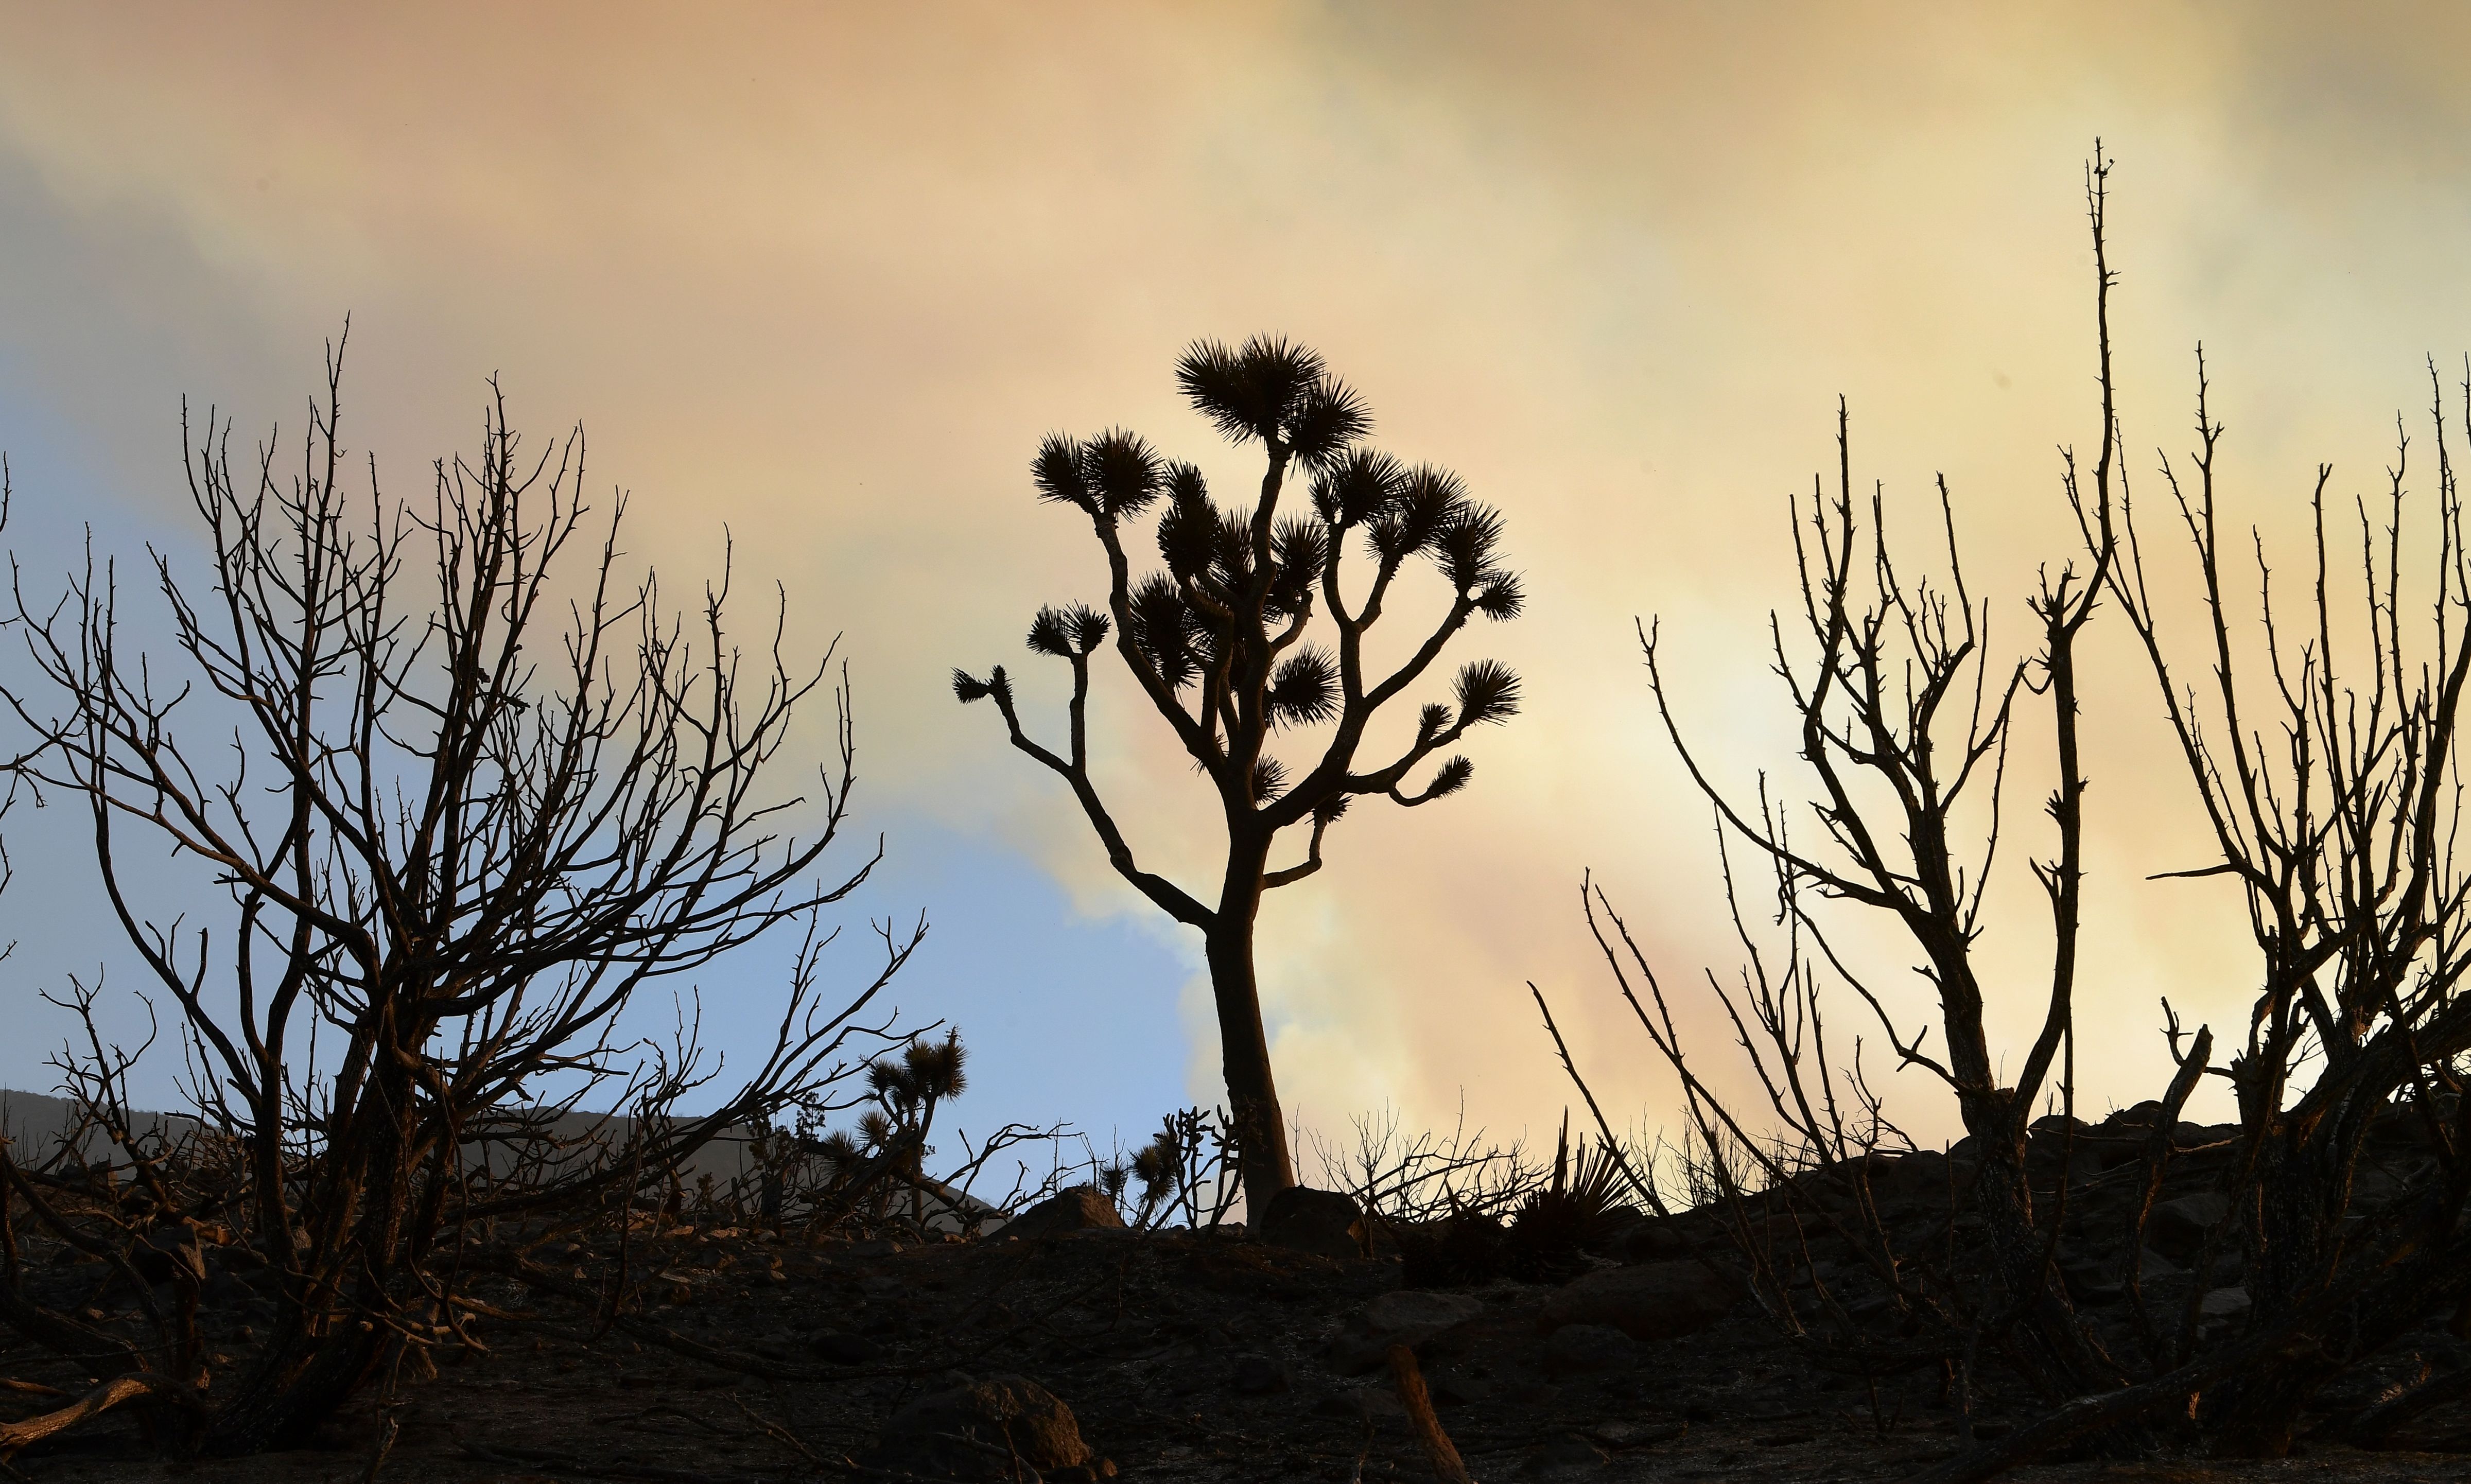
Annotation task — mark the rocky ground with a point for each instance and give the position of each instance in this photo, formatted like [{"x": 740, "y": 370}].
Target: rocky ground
[{"x": 1180, "y": 1357}]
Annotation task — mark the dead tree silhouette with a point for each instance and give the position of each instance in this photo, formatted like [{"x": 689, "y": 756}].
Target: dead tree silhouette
[
  {"x": 1217, "y": 642},
  {"x": 2334, "y": 793},
  {"x": 481, "y": 790},
  {"x": 2341, "y": 836}
]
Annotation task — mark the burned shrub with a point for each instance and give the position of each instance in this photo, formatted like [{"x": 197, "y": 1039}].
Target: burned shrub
[
  {"x": 470, "y": 790},
  {"x": 2150, "y": 1282}
]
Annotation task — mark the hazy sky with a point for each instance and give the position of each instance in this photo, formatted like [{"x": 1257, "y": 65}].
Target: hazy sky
[{"x": 822, "y": 276}]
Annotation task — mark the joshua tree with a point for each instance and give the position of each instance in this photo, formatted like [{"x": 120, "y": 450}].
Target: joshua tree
[
  {"x": 1219, "y": 642},
  {"x": 908, "y": 1087}
]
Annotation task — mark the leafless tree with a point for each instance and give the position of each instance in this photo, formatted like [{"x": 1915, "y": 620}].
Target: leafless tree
[
  {"x": 479, "y": 789},
  {"x": 2335, "y": 797},
  {"x": 1904, "y": 716},
  {"x": 1217, "y": 642},
  {"x": 2334, "y": 790}
]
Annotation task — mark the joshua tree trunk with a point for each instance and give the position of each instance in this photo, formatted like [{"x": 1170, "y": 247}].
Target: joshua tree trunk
[{"x": 1252, "y": 1091}]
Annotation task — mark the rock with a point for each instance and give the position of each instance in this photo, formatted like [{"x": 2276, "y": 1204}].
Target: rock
[
  {"x": 2222, "y": 1305},
  {"x": 1450, "y": 1386},
  {"x": 1506, "y": 1325},
  {"x": 1080, "y": 1208},
  {"x": 1327, "y": 1222},
  {"x": 1635, "y": 1432},
  {"x": 1357, "y": 1404},
  {"x": 1408, "y": 1316},
  {"x": 2144, "y": 1115},
  {"x": 975, "y": 1431},
  {"x": 1657, "y": 1301},
  {"x": 1566, "y": 1456},
  {"x": 1261, "y": 1376},
  {"x": 2090, "y": 1282},
  {"x": 1652, "y": 1240},
  {"x": 2176, "y": 1228},
  {"x": 1590, "y": 1346},
  {"x": 834, "y": 1347}
]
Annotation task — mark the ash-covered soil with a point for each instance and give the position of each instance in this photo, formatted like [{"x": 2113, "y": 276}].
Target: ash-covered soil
[{"x": 1182, "y": 1356}]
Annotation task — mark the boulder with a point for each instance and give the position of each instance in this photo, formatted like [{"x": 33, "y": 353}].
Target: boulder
[
  {"x": 1500, "y": 1329},
  {"x": 2091, "y": 1283},
  {"x": 1640, "y": 1432},
  {"x": 1655, "y": 1239},
  {"x": 1450, "y": 1386},
  {"x": 1655, "y": 1301},
  {"x": 1567, "y": 1456},
  {"x": 2176, "y": 1228},
  {"x": 976, "y": 1431},
  {"x": 1408, "y": 1316},
  {"x": 836, "y": 1348},
  {"x": 1327, "y": 1222},
  {"x": 1361, "y": 1404},
  {"x": 1261, "y": 1376},
  {"x": 1589, "y": 1347},
  {"x": 1080, "y": 1208},
  {"x": 2223, "y": 1307}
]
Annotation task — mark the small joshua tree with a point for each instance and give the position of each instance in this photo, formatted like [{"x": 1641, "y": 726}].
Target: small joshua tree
[
  {"x": 908, "y": 1087},
  {"x": 1217, "y": 641}
]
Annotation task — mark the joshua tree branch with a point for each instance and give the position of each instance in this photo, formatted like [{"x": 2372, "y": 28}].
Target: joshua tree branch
[
  {"x": 1310, "y": 864},
  {"x": 1120, "y": 606},
  {"x": 1166, "y": 895}
]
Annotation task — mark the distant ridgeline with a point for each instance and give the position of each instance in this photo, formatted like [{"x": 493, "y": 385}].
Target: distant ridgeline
[{"x": 42, "y": 1129}]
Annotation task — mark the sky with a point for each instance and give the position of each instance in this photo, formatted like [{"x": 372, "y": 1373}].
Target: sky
[{"x": 816, "y": 279}]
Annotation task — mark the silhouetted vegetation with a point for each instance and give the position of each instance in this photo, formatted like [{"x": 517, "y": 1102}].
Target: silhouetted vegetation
[
  {"x": 465, "y": 816},
  {"x": 2332, "y": 1213},
  {"x": 467, "y": 787},
  {"x": 1219, "y": 641}
]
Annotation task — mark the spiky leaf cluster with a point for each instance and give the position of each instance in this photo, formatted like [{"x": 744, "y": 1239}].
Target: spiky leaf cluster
[
  {"x": 1070, "y": 632},
  {"x": 1426, "y": 512},
  {"x": 924, "y": 1073},
  {"x": 967, "y": 687},
  {"x": 1274, "y": 392},
  {"x": 1113, "y": 475},
  {"x": 1487, "y": 691},
  {"x": 1185, "y": 618},
  {"x": 1449, "y": 779},
  {"x": 1303, "y": 689},
  {"x": 1159, "y": 1166},
  {"x": 1171, "y": 632}
]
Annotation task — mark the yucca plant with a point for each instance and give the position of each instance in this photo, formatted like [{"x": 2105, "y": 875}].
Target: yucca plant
[
  {"x": 1552, "y": 1225},
  {"x": 1219, "y": 640}
]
